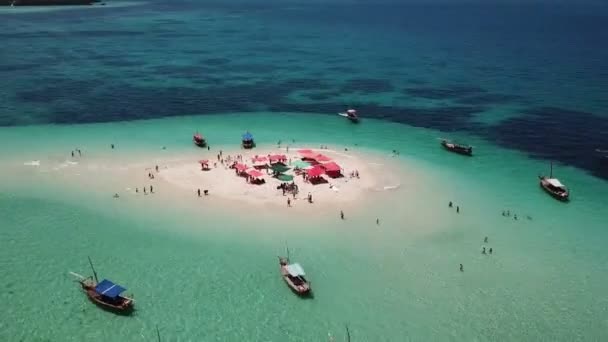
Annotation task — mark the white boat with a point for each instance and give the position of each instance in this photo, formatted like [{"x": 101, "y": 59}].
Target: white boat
[{"x": 350, "y": 114}]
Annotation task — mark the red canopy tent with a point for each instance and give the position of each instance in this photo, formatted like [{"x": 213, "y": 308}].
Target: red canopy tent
[
  {"x": 315, "y": 171},
  {"x": 333, "y": 170},
  {"x": 255, "y": 173},
  {"x": 331, "y": 167},
  {"x": 204, "y": 164},
  {"x": 240, "y": 167},
  {"x": 278, "y": 158},
  {"x": 259, "y": 159},
  {"x": 321, "y": 158}
]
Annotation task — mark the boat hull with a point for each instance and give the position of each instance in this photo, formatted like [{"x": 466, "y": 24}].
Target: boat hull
[
  {"x": 302, "y": 290},
  {"x": 458, "y": 150},
  {"x": 248, "y": 144},
  {"x": 353, "y": 119},
  {"x": 200, "y": 143},
  {"x": 558, "y": 196},
  {"x": 125, "y": 309}
]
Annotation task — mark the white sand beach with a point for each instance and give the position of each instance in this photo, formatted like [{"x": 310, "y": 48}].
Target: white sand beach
[{"x": 180, "y": 176}]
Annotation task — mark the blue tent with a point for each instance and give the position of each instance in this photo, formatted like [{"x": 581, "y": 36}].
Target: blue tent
[
  {"x": 109, "y": 289},
  {"x": 247, "y": 136}
]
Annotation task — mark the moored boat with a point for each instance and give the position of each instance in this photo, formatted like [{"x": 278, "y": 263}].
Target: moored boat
[
  {"x": 351, "y": 115},
  {"x": 105, "y": 294},
  {"x": 199, "y": 140},
  {"x": 293, "y": 274},
  {"x": 554, "y": 187},
  {"x": 247, "y": 140},
  {"x": 457, "y": 148}
]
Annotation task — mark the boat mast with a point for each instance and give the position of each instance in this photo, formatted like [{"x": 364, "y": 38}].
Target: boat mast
[
  {"x": 347, "y": 333},
  {"x": 287, "y": 248},
  {"x": 93, "y": 268},
  {"x": 551, "y": 174}
]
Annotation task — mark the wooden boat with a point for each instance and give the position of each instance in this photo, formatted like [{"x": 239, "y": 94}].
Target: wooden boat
[
  {"x": 457, "y": 148},
  {"x": 554, "y": 187},
  {"x": 105, "y": 294},
  {"x": 199, "y": 140},
  {"x": 247, "y": 141},
  {"x": 293, "y": 274},
  {"x": 351, "y": 115}
]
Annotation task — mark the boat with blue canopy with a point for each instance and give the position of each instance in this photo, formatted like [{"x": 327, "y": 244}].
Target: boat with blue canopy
[
  {"x": 105, "y": 294},
  {"x": 293, "y": 274},
  {"x": 247, "y": 140}
]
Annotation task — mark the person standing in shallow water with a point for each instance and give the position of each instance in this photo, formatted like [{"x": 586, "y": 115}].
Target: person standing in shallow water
[
  {"x": 457, "y": 209},
  {"x": 199, "y": 192},
  {"x": 72, "y": 154},
  {"x": 483, "y": 251},
  {"x": 461, "y": 268},
  {"x": 450, "y": 204},
  {"x": 485, "y": 239},
  {"x": 288, "y": 202},
  {"x": 151, "y": 189},
  {"x": 341, "y": 214}
]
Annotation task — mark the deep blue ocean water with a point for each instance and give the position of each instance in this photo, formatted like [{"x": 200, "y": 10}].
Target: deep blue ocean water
[{"x": 527, "y": 77}]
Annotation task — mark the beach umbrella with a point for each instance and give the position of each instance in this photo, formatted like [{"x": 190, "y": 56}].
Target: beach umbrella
[
  {"x": 300, "y": 164},
  {"x": 285, "y": 178},
  {"x": 279, "y": 168}
]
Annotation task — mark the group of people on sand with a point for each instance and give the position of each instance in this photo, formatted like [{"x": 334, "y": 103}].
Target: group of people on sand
[{"x": 354, "y": 174}]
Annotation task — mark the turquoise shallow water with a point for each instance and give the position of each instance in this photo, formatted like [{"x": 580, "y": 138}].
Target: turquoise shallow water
[{"x": 211, "y": 276}]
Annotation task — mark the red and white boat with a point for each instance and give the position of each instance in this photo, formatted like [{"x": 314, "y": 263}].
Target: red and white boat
[{"x": 199, "y": 140}]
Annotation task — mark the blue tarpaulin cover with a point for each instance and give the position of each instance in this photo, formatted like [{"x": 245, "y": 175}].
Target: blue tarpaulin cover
[
  {"x": 247, "y": 136},
  {"x": 109, "y": 289}
]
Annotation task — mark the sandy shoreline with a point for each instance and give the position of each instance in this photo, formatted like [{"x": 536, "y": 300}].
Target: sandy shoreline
[{"x": 179, "y": 176}]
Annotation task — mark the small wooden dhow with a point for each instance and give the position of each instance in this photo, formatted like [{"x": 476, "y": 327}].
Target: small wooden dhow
[
  {"x": 247, "y": 141},
  {"x": 199, "y": 140},
  {"x": 554, "y": 187},
  {"x": 105, "y": 294},
  {"x": 457, "y": 148},
  {"x": 293, "y": 274}
]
